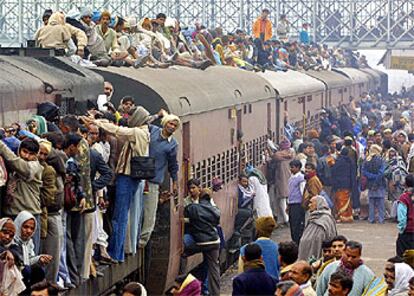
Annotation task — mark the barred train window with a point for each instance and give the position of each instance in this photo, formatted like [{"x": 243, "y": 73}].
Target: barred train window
[{"x": 226, "y": 165}]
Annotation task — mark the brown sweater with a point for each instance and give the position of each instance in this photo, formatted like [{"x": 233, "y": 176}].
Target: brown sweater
[{"x": 27, "y": 177}]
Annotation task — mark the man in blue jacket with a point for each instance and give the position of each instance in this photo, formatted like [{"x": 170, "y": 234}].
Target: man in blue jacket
[{"x": 163, "y": 147}]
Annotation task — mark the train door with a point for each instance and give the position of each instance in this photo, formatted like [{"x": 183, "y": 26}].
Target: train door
[
  {"x": 330, "y": 99},
  {"x": 239, "y": 125},
  {"x": 240, "y": 146},
  {"x": 277, "y": 120},
  {"x": 322, "y": 101},
  {"x": 186, "y": 163},
  {"x": 341, "y": 95},
  {"x": 269, "y": 118}
]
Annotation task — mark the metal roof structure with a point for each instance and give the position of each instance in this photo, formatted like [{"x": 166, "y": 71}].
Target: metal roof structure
[
  {"x": 331, "y": 79},
  {"x": 346, "y": 23},
  {"x": 184, "y": 91},
  {"x": 292, "y": 83}
]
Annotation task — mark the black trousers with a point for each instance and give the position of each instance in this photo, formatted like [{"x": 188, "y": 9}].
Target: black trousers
[
  {"x": 405, "y": 241},
  {"x": 296, "y": 221}
]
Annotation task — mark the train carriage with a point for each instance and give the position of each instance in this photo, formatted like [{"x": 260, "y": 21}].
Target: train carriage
[
  {"x": 361, "y": 81},
  {"x": 337, "y": 86},
  {"x": 222, "y": 111},
  {"x": 299, "y": 95}
]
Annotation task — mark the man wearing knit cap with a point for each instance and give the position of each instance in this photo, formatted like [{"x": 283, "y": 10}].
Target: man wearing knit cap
[
  {"x": 270, "y": 249},
  {"x": 163, "y": 147}
]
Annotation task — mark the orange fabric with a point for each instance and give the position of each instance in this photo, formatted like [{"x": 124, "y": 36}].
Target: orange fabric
[
  {"x": 343, "y": 205},
  {"x": 313, "y": 188},
  {"x": 257, "y": 29}
]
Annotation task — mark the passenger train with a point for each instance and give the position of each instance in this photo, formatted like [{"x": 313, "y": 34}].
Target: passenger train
[{"x": 226, "y": 114}]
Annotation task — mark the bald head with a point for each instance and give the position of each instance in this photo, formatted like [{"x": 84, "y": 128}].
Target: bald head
[{"x": 301, "y": 272}]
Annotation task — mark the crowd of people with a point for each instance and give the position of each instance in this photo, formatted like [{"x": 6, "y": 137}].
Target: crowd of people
[
  {"x": 97, "y": 38},
  {"x": 357, "y": 166},
  {"x": 72, "y": 191},
  {"x": 72, "y": 188}
]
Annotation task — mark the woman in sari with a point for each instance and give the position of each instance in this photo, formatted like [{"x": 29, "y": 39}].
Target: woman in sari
[{"x": 342, "y": 183}]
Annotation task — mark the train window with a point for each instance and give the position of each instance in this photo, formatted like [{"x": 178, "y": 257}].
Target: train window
[
  {"x": 245, "y": 109},
  {"x": 250, "y": 108},
  {"x": 301, "y": 100},
  {"x": 203, "y": 178},
  {"x": 309, "y": 98},
  {"x": 232, "y": 133},
  {"x": 223, "y": 167},
  {"x": 345, "y": 90},
  {"x": 285, "y": 105}
]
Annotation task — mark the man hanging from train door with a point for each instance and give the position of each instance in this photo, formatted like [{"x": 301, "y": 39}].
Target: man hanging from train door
[{"x": 163, "y": 147}]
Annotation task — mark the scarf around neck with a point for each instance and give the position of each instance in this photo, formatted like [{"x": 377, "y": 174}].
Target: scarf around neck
[
  {"x": 310, "y": 175},
  {"x": 347, "y": 270},
  {"x": 253, "y": 264}
]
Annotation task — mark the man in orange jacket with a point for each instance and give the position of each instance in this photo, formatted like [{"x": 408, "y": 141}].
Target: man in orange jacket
[{"x": 262, "y": 27}]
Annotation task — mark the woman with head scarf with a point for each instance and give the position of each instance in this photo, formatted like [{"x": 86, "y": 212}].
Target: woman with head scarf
[
  {"x": 261, "y": 203},
  {"x": 373, "y": 170},
  {"x": 7, "y": 233},
  {"x": 11, "y": 282},
  {"x": 32, "y": 264},
  {"x": 397, "y": 277},
  {"x": 321, "y": 226}
]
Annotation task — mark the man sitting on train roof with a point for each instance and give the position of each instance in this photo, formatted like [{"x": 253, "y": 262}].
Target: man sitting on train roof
[{"x": 58, "y": 34}]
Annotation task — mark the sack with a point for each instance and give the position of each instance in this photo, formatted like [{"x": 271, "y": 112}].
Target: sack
[
  {"x": 364, "y": 182},
  {"x": 143, "y": 167},
  {"x": 327, "y": 198},
  {"x": 70, "y": 196},
  {"x": 363, "y": 198}
]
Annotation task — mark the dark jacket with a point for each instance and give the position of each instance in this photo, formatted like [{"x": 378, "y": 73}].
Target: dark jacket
[
  {"x": 203, "y": 220},
  {"x": 374, "y": 171},
  {"x": 342, "y": 173},
  {"x": 324, "y": 171},
  {"x": 254, "y": 282}
]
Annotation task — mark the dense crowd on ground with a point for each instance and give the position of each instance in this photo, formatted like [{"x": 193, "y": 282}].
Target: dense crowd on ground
[
  {"x": 97, "y": 38},
  {"x": 357, "y": 166},
  {"x": 79, "y": 192}
]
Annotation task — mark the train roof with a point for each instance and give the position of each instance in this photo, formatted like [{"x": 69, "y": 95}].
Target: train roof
[
  {"x": 373, "y": 73},
  {"x": 26, "y": 81},
  {"x": 62, "y": 75},
  {"x": 355, "y": 75},
  {"x": 187, "y": 91},
  {"x": 292, "y": 83},
  {"x": 330, "y": 78}
]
